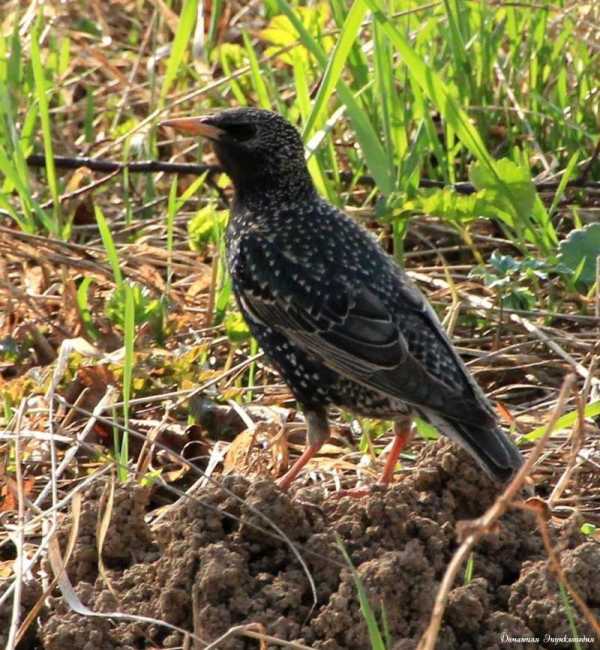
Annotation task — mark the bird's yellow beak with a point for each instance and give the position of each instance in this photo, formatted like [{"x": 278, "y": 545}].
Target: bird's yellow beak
[{"x": 195, "y": 126}]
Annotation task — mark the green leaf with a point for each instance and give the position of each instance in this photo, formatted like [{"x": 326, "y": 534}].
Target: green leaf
[
  {"x": 366, "y": 134},
  {"x": 566, "y": 421},
  {"x": 257, "y": 78},
  {"x": 84, "y": 308},
  {"x": 426, "y": 430},
  {"x": 44, "y": 110},
  {"x": 566, "y": 177},
  {"x": 285, "y": 30},
  {"x": 128, "y": 363},
  {"x": 579, "y": 252},
  {"x": 235, "y": 327},
  {"x": 109, "y": 246},
  {"x": 203, "y": 226},
  {"x": 588, "y": 528},
  {"x": 509, "y": 175}
]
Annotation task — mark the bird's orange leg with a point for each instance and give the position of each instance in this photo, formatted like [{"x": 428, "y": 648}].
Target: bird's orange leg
[
  {"x": 317, "y": 434},
  {"x": 287, "y": 479},
  {"x": 403, "y": 433}
]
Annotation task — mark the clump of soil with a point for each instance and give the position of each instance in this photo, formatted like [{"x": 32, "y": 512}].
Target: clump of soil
[
  {"x": 127, "y": 539},
  {"x": 222, "y": 562}
]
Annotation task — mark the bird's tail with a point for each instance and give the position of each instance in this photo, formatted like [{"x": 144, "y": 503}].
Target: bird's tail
[{"x": 488, "y": 444}]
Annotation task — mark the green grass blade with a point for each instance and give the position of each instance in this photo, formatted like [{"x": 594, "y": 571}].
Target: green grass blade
[
  {"x": 336, "y": 64},
  {"x": 566, "y": 177},
  {"x": 44, "y": 111},
  {"x": 213, "y": 28},
  {"x": 457, "y": 47},
  {"x": 570, "y": 614},
  {"x": 84, "y": 308},
  {"x": 257, "y": 79},
  {"x": 468, "y": 577},
  {"x": 185, "y": 28},
  {"x": 385, "y": 87},
  {"x": 366, "y": 135},
  {"x": 172, "y": 208},
  {"x": 128, "y": 363},
  {"x": 435, "y": 89},
  {"x": 301, "y": 76},
  {"x": 566, "y": 421},
  {"x": 109, "y": 247}
]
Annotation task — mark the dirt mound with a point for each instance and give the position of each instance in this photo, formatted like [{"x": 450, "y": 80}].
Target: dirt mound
[{"x": 221, "y": 563}]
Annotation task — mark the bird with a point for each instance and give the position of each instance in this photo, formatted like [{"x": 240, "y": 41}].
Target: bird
[{"x": 335, "y": 314}]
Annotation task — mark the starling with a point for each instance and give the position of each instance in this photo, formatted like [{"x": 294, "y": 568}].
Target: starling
[{"x": 334, "y": 313}]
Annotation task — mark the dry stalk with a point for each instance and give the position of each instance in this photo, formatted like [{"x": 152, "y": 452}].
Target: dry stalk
[
  {"x": 255, "y": 631},
  {"x": 35, "y": 610},
  {"x": 485, "y": 523},
  {"x": 484, "y": 303},
  {"x": 577, "y": 440},
  {"x": 20, "y": 532}
]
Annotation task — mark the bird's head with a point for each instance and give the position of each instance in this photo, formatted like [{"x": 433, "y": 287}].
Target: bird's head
[{"x": 257, "y": 148}]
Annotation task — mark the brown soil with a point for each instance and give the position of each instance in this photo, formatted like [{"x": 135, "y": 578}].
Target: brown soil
[{"x": 206, "y": 571}]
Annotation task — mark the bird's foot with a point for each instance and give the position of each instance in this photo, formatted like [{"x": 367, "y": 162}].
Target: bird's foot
[
  {"x": 353, "y": 493},
  {"x": 287, "y": 479},
  {"x": 362, "y": 491},
  {"x": 403, "y": 434}
]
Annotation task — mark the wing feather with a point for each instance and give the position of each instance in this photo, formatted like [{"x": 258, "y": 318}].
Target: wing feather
[{"x": 350, "y": 329}]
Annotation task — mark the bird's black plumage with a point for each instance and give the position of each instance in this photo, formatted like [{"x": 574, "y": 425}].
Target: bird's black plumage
[{"x": 333, "y": 312}]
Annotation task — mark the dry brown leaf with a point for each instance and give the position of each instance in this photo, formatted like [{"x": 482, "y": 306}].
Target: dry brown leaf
[
  {"x": 35, "y": 279},
  {"x": 261, "y": 451},
  {"x": 71, "y": 314},
  {"x": 8, "y": 493},
  {"x": 6, "y": 568},
  {"x": 201, "y": 282}
]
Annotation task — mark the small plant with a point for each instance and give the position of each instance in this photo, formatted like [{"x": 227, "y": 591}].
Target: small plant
[
  {"x": 469, "y": 569},
  {"x": 512, "y": 278},
  {"x": 146, "y": 309},
  {"x": 206, "y": 227},
  {"x": 587, "y": 528}
]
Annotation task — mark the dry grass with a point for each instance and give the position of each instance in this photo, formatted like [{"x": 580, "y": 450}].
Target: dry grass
[{"x": 62, "y": 389}]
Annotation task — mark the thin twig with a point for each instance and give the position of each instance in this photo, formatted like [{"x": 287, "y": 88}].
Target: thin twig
[{"x": 153, "y": 166}]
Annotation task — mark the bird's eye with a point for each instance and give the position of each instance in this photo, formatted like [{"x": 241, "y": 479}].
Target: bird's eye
[{"x": 241, "y": 132}]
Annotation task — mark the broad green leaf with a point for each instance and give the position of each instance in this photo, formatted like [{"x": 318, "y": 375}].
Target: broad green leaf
[
  {"x": 284, "y": 31},
  {"x": 202, "y": 226},
  {"x": 511, "y": 175},
  {"x": 235, "y": 327},
  {"x": 580, "y": 250}
]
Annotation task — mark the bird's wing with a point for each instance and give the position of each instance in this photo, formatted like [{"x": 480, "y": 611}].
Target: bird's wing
[{"x": 350, "y": 330}]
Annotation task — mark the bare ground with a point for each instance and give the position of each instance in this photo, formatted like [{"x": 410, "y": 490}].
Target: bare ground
[{"x": 213, "y": 563}]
